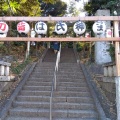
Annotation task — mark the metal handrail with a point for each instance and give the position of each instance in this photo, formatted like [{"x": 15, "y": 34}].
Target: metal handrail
[{"x": 53, "y": 87}]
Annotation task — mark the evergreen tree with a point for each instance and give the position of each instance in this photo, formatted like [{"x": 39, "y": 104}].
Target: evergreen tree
[
  {"x": 94, "y": 5},
  {"x": 56, "y": 9}
]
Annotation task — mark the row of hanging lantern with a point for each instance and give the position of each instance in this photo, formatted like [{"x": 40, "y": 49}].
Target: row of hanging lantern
[{"x": 79, "y": 28}]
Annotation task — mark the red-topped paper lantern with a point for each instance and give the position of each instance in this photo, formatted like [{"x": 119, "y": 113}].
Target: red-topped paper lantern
[
  {"x": 3, "y": 27},
  {"x": 23, "y": 27}
]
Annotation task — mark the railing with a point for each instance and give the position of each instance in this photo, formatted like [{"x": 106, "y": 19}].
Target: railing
[
  {"x": 110, "y": 70},
  {"x": 4, "y": 71},
  {"x": 53, "y": 87}
]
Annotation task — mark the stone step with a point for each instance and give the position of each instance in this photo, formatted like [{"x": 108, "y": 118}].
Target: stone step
[
  {"x": 78, "y": 89},
  {"x": 68, "y": 64},
  {"x": 71, "y": 94},
  {"x": 46, "y": 64},
  {"x": 33, "y": 98},
  {"x": 58, "y": 79},
  {"x": 26, "y": 104},
  {"x": 70, "y": 73},
  {"x": 59, "y": 73},
  {"x": 35, "y": 93},
  {"x": 37, "y": 88},
  {"x": 39, "y": 83},
  {"x": 74, "y": 114},
  {"x": 26, "y": 118},
  {"x": 57, "y": 106},
  {"x": 70, "y": 77},
  {"x": 29, "y": 112},
  {"x": 56, "y": 94},
  {"x": 39, "y": 79},
  {"x": 72, "y": 84},
  {"x": 44, "y": 73},
  {"x": 59, "y": 88},
  {"x": 81, "y": 99},
  {"x": 68, "y": 70},
  {"x": 73, "y": 106},
  {"x": 38, "y": 75},
  {"x": 80, "y": 80},
  {"x": 39, "y": 118},
  {"x": 64, "y": 84},
  {"x": 44, "y": 69},
  {"x": 55, "y": 99},
  {"x": 75, "y": 118}
]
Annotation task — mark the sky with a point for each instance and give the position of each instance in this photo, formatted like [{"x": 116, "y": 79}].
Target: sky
[{"x": 79, "y": 4}]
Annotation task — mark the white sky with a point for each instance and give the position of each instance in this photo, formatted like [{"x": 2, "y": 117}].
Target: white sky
[{"x": 79, "y": 4}]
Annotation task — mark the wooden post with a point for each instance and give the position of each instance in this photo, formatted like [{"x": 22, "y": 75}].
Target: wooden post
[
  {"x": 28, "y": 49},
  {"x": 117, "y": 79}
]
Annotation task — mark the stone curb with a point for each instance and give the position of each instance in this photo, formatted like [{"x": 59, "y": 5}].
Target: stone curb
[
  {"x": 43, "y": 55},
  {"x": 9, "y": 101},
  {"x": 102, "y": 115}
]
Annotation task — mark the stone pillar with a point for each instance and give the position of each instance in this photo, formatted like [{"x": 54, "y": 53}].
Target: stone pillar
[
  {"x": 2, "y": 70},
  {"x": 101, "y": 54}
]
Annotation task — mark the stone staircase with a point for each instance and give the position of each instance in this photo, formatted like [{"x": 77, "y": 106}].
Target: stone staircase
[
  {"x": 67, "y": 55},
  {"x": 72, "y": 99},
  {"x": 76, "y": 102},
  {"x": 50, "y": 56},
  {"x": 33, "y": 101}
]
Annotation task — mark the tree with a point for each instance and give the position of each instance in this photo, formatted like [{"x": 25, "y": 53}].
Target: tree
[
  {"x": 56, "y": 9},
  {"x": 94, "y": 5},
  {"x": 72, "y": 11},
  {"x": 21, "y": 7}
]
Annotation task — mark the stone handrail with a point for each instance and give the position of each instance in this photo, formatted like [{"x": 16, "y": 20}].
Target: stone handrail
[
  {"x": 4, "y": 71},
  {"x": 110, "y": 70}
]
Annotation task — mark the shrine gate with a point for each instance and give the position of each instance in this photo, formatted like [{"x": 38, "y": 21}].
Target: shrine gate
[{"x": 115, "y": 38}]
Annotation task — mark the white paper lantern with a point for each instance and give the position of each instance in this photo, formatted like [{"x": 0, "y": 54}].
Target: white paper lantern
[
  {"x": 23, "y": 27},
  {"x": 61, "y": 28},
  {"x": 99, "y": 27},
  {"x": 41, "y": 28},
  {"x": 79, "y": 27},
  {"x": 3, "y": 35},
  {"x": 3, "y": 27}
]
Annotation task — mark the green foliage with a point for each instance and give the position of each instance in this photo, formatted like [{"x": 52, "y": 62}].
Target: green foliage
[
  {"x": 56, "y": 9},
  {"x": 111, "y": 51},
  {"x": 19, "y": 67},
  {"x": 94, "y": 5},
  {"x": 72, "y": 10},
  {"x": 79, "y": 46},
  {"x": 21, "y": 7},
  {"x": 19, "y": 43},
  {"x": 3, "y": 49},
  {"x": 14, "y": 5},
  {"x": 29, "y": 8},
  {"x": 49, "y": 1}
]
